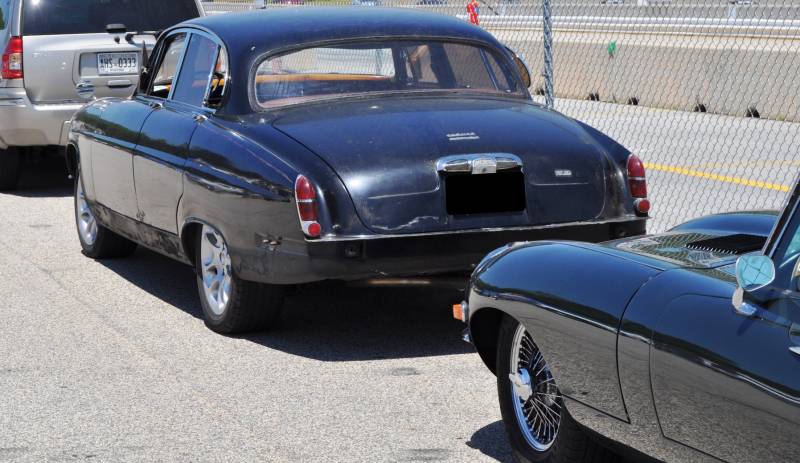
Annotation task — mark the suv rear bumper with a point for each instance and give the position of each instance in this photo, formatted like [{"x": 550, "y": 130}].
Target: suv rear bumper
[{"x": 23, "y": 123}]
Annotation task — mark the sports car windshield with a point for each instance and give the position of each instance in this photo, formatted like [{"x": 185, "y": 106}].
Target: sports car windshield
[{"x": 375, "y": 67}]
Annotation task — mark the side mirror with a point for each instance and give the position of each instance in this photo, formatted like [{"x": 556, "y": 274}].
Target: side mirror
[
  {"x": 753, "y": 272},
  {"x": 85, "y": 90}
]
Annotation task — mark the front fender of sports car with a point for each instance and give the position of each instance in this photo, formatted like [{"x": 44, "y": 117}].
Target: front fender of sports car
[{"x": 571, "y": 299}]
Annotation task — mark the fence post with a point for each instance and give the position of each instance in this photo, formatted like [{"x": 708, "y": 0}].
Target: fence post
[{"x": 548, "y": 54}]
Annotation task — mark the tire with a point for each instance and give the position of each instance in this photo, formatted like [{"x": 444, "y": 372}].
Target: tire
[
  {"x": 96, "y": 241},
  {"x": 570, "y": 443},
  {"x": 10, "y": 166},
  {"x": 231, "y": 305}
]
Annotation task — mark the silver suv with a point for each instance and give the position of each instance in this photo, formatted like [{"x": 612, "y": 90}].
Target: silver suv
[{"x": 51, "y": 46}]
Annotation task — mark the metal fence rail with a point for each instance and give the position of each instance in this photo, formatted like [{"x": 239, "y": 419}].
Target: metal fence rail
[{"x": 705, "y": 91}]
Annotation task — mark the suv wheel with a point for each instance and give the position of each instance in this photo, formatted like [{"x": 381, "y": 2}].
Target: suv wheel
[{"x": 10, "y": 164}]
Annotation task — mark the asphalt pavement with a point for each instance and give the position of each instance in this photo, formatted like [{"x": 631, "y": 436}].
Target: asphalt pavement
[{"x": 110, "y": 361}]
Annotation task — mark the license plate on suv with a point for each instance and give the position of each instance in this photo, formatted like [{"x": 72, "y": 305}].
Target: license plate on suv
[{"x": 117, "y": 63}]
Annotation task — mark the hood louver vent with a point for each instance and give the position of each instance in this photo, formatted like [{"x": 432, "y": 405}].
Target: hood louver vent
[{"x": 731, "y": 244}]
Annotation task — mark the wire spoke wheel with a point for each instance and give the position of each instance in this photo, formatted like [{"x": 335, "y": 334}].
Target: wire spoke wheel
[
  {"x": 215, "y": 270},
  {"x": 87, "y": 224},
  {"x": 536, "y": 400}
]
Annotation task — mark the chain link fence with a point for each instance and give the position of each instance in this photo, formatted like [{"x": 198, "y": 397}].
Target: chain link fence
[{"x": 705, "y": 91}]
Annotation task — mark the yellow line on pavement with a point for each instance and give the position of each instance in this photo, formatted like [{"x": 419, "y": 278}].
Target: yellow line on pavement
[
  {"x": 717, "y": 177},
  {"x": 751, "y": 164}
]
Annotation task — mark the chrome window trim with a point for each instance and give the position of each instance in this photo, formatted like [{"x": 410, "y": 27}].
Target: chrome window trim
[
  {"x": 523, "y": 95},
  {"x": 784, "y": 220},
  {"x": 191, "y": 32}
]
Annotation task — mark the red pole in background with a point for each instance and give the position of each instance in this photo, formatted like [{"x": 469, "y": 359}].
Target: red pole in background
[{"x": 472, "y": 10}]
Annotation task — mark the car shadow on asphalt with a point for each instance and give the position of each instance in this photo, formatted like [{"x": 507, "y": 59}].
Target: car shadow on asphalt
[
  {"x": 328, "y": 321},
  {"x": 491, "y": 441},
  {"x": 42, "y": 177}
]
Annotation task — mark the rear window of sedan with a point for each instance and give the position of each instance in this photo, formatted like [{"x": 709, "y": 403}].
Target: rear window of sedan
[
  {"x": 377, "y": 67},
  {"x": 57, "y": 17}
]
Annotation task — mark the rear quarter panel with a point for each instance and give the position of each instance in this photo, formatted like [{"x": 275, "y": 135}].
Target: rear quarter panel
[
  {"x": 245, "y": 189},
  {"x": 571, "y": 299}
]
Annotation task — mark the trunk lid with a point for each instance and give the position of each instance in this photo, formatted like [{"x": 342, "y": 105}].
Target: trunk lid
[{"x": 386, "y": 152}]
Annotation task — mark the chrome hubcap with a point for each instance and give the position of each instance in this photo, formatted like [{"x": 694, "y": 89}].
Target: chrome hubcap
[
  {"x": 537, "y": 402},
  {"x": 87, "y": 225},
  {"x": 521, "y": 381},
  {"x": 216, "y": 270}
]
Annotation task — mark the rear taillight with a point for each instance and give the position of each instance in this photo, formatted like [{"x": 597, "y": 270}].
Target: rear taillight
[
  {"x": 637, "y": 182},
  {"x": 12, "y": 59},
  {"x": 306, "y": 197}
]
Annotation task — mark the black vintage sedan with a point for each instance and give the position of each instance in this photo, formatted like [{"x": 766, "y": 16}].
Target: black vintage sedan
[
  {"x": 276, "y": 148},
  {"x": 684, "y": 346}
]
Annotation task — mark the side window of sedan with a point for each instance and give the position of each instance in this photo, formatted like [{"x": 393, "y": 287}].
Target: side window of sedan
[
  {"x": 198, "y": 70},
  {"x": 218, "y": 80},
  {"x": 167, "y": 68}
]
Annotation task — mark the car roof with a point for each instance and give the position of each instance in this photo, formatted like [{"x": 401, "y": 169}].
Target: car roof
[
  {"x": 272, "y": 29},
  {"x": 250, "y": 35}
]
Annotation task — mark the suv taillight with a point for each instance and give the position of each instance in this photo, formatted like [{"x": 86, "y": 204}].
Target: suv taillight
[
  {"x": 637, "y": 182},
  {"x": 12, "y": 59},
  {"x": 305, "y": 196}
]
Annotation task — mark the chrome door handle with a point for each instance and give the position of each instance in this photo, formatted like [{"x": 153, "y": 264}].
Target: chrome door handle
[
  {"x": 156, "y": 105},
  {"x": 123, "y": 83},
  {"x": 200, "y": 118}
]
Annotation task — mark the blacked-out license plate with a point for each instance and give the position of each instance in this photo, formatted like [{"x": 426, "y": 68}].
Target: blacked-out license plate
[{"x": 485, "y": 194}]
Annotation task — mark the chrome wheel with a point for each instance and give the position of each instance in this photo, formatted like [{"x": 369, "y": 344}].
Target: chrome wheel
[
  {"x": 216, "y": 270},
  {"x": 87, "y": 224},
  {"x": 535, "y": 397}
]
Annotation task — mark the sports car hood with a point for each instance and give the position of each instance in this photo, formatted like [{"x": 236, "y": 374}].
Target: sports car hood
[{"x": 386, "y": 149}]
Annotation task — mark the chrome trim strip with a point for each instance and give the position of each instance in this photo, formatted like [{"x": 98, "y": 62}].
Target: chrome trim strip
[
  {"x": 334, "y": 238},
  {"x": 485, "y": 162}
]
